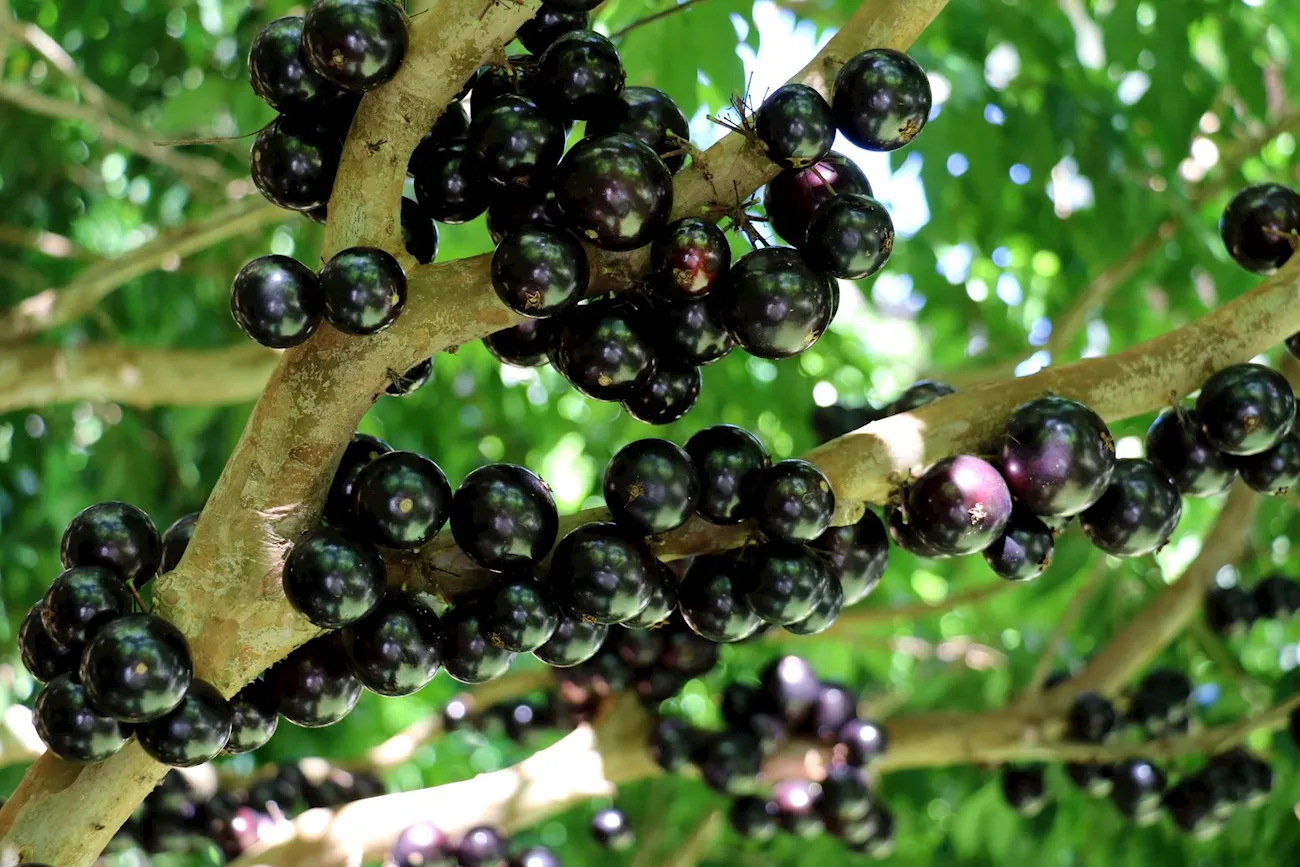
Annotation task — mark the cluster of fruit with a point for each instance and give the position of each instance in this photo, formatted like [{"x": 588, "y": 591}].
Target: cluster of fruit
[
  {"x": 425, "y": 845},
  {"x": 1231, "y": 611}
]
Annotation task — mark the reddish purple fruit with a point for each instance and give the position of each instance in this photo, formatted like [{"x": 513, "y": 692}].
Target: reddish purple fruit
[
  {"x": 793, "y": 196},
  {"x": 1176, "y": 444},
  {"x": 905, "y": 535},
  {"x": 689, "y": 259},
  {"x": 1025, "y": 548},
  {"x": 1057, "y": 456},
  {"x": 1136, "y": 514},
  {"x": 1245, "y": 409},
  {"x": 960, "y": 505}
]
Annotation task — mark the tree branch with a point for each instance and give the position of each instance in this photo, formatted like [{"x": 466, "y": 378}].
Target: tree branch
[
  {"x": 35, "y": 376},
  {"x": 51, "y": 244},
  {"x": 54, "y": 307}
]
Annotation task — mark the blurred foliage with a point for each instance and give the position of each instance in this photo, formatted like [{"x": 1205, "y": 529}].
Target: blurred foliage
[{"x": 1063, "y": 134}]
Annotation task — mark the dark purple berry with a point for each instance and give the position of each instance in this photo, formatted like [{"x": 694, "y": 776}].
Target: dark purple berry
[
  {"x": 72, "y": 727},
  {"x": 793, "y": 501},
  {"x": 793, "y": 196},
  {"x": 845, "y": 797},
  {"x": 614, "y": 190},
  {"x": 578, "y": 74},
  {"x": 357, "y": 44},
  {"x": 830, "y": 422},
  {"x": 1057, "y": 456},
  {"x": 534, "y": 856},
  {"x": 422, "y": 845},
  {"x": 402, "y": 500},
  {"x": 396, "y": 648},
  {"x": 797, "y": 808},
  {"x": 663, "y": 600},
  {"x": 712, "y": 599},
  {"x": 824, "y": 613},
  {"x": 728, "y": 460},
  {"x": 293, "y": 162},
  {"x": 610, "y": 829},
  {"x": 333, "y": 579},
  {"x": 175, "y": 540},
  {"x": 519, "y": 614},
  {"x": 137, "y": 668},
  {"x": 1025, "y": 548},
  {"x": 1136, "y": 514},
  {"x": 1245, "y": 409},
  {"x": 1093, "y": 779},
  {"x": 857, "y": 554},
  {"x": 862, "y": 740},
  {"x": 850, "y": 236},
  {"x": 44, "y": 658},
  {"x": 1176, "y": 445},
  {"x": 413, "y": 380},
  {"x": 1137, "y": 787},
  {"x": 503, "y": 516},
  {"x": 603, "y": 573},
  {"x": 1230, "y": 611},
  {"x": 1192, "y": 804},
  {"x": 254, "y": 716},
  {"x": 754, "y": 818},
  {"x": 116, "y": 536},
  {"x": 515, "y": 142},
  {"x": 650, "y": 115},
  {"x": 448, "y": 183},
  {"x": 1024, "y": 788},
  {"x": 792, "y": 688},
  {"x": 690, "y": 331},
  {"x": 548, "y": 24},
  {"x": 1274, "y": 471},
  {"x": 651, "y": 487},
  {"x": 785, "y": 582},
  {"x": 364, "y": 290},
  {"x": 1260, "y": 227},
  {"x": 282, "y": 77},
  {"x": 191, "y": 734},
  {"x": 689, "y": 259},
  {"x": 775, "y": 304},
  {"x": 1277, "y": 597},
  {"x": 469, "y": 654},
  {"x": 315, "y": 685},
  {"x": 1091, "y": 718},
  {"x": 494, "y": 81},
  {"x": 917, "y": 395},
  {"x": 80, "y": 602},
  {"x": 419, "y": 232},
  {"x": 836, "y": 705},
  {"x": 603, "y": 350},
  {"x": 512, "y": 209},
  {"x": 276, "y": 301},
  {"x": 574, "y": 641},
  {"x": 483, "y": 846},
  {"x": 686, "y": 651},
  {"x": 539, "y": 271},
  {"x": 881, "y": 100},
  {"x": 731, "y": 763},
  {"x": 522, "y": 345},
  {"x": 1162, "y": 699},
  {"x": 960, "y": 505},
  {"x": 795, "y": 125},
  {"x": 667, "y": 396},
  {"x": 671, "y": 744},
  {"x": 360, "y": 451},
  {"x": 906, "y": 536}
]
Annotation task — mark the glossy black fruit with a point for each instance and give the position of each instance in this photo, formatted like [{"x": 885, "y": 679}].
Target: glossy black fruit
[
  {"x": 905, "y": 535},
  {"x": 333, "y": 579},
  {"x": 667, "y": 396},
  {"x": 1242, "y": 779},
  {"x": 731, "y": 763},
  {"x": 651, "y": 487},
  {"x": 610, "y": 829},
  {"x": 796, "y": 126},
  {"x": 793, "y": 196},
  {"x": 690, "y": 331},
  {"x": 1230, "y": 611},
  {"x": 364, "y": 290},
  {"x": 793, "y": 501},
  {"x": 175, "y": 540},
  {"x": 650, "y": 115},
  {"x": 1136, "y": 514},
  {"x": 881, "y": 99},
  {"x": 422, "y": 845},
  {"x": 1093, "y": 779},
  {"x": 448, "y": 183},
  {"x": 71, "y": 726},
  {"x": 1192, "y": 803},
  {"x": 663, "y": 600},
  {"x": 845, "y": 797},
  {"x": 574, "y": 641},
  {"x": 1176, "y": 445},
  {"x": 494, "y": 81},
  {"x": 689, "y": 259},
  {"x": 1277, "y": 597},
  {"x": 515, "y": 142},
  {"x": 193, "y": 733},
  {"x": 960, "y": 505},
  {"x": 535, "y": 856},
  {"x": 483, "y": 846},
  {"x": 836, "y": 705},
  {"x": 82, "y": 600},
  {"x": 603, "y": 573},
  {"x": 293, "y": 162},
  {"x": 116, "y": 536},
  {"x": 754, "y": 818},
  {"x": 792, "y": 688},
  {"x": 469, "y": 654},
  {"x": 857, "y": 554},
  {"x": 850, "y": 236},
  {"x": 1091, "y": 718},
  {"x": 512, "y": 209},
  {"x": 137, "y": 668},
  {"x": 502, "y": 516},
  {"x": 42, "y": 656},
  {"x": 276, "y": 301},
  {"x": 451, "y": 126},
  {"x": 1057, "y": 456},
  {"x": 519, "y": 614},
  {"x": 1024, "y": 787},
  {"x": 603, "y": 350},
  {"x": 1162, "y": 700},
  {"x": 1138, "y": 788},
  {"x": 797, "y": 803},
  {"x": 402, "y": 500},
  {"x": 1245, "y": 409},
  {"x": 522, "y": 345},
  {"x": 539, "y": 271},
  {"x": 1274, "y": 471},
  {"x": 614, "y": 190},
  {"x": 357, "y": 44},
  {"x": 671, "y": 744},
  {"x": 315, "y": 686},
  {"x": 775, "y": 304},
  {"x": 578, "y": 74},
  {"x": 413, "y": 380},
  {"x": 360, "y": 451},
  {"x": 917, "y": 395},
  {"x": 254, "y": 716},
  {"x": 396, "y": 648},
  {"x": 419, "y": 232},
  {"x": 548, "y": 24},
  {"x": 728, "y": 460},
  {"x": 785, "y": 582},
  {"x": 281, "y": 76},
  {"x": 712, "y": 599},
  {"x": 1260, "y": 227},
  {"x": 1025, "y": 548},
  {"x": 824, "y": 613}
]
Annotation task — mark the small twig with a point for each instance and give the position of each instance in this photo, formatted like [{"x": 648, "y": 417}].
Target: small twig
[{"x": 662, "y": 13}]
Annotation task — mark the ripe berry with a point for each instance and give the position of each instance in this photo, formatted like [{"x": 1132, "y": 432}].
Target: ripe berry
[
  {"x": 663, "y": 600},
  {"x": 917, "y": 395},
  {"x": 1057, "y": 456},
  {"x": 512, "y": 209},
  {"x": 574, "y": 641},
  {"x": 792, "y": 687},
  {"x": 960, "y": 505},
  {"x": 602, "y": 572},
  {"x": 548, "y": 24},
  {"x": 1138, "y": 789},
  {"x": 315, "y": 685},
  {"x": 845, "y": 797},
  {"x": 281, "y": 76},
  {"x": 603, "y": 350},
  {"x": 861, "y": 741},
  {"x": 1230, "y": 611},
  {"x": 137, "y": 668},
  {"x": 1277, "y": 597},
  {"x": 689, "y": 259},
  {"x": 1274, "y": 471},
  {"x": 396, "y": 648},
  {"x": 610, "y": 829},
  {"x": 539, "y": 271},
  {"x": 515, "y": 142},
  {"x": 451, "y": 126},
  {"x": 614, "y": 190},
  {"x": 522, "y": 345},
  {"x": 1177, "y": 446},
  {"x": 413, "y": 380},
  {"x": 754, "y": 818},
  {"x": 1137, "y": 513},
  {"x": 712, "y": 599},
  {"x": 881, "y": 99},
  {"x": 44, "y": 658},
  {"x": 72, "y": 727},
  {"x": 1024, "y": 787},
  {"x": 797, "y": 808},
  {"x": 357, "y": 44},
  {"x": 793, "y": 501},
  {"x": 468, "y": 653},
  {"x": 1245, "y": 409},
  {"x": 1091, "y": 718},
  {"x": 1162, "y": 699},
  {"x": 691, "y": 331},
  {"x": 906, "y": 536},
  {"x": 836, "y": 704},
  {"x": 667, "y": 396},
  {"x": 795, "y": 125},
  {"x": 1240, "y": 777},
  {"x": 1260, "y": 227},
  {"x": 503, "y": 515},
  {"x": 293, "y": 162},
  {"x": 332, "y": 579},
  {"x": 793, "y": 196},
  {"x": 422, "y": 845},
  {"x": 535, "y": 856},
  {"x": 448, "y": 183},
  {"x": 483, "y": 846},
  {"x": 728, "y": 460},
  {"x": 1192, "y": 803},
  {"x": 824, "y": 613},
  {"x": 650, "y": 115},
  {"x": 116, "y": 536},
  {"x": 775, "y": 304},
  {"x": 1025, "y": 548},
  {"x": 651, "y": 487},
  {"x": 80, "y": 601},
  {"x": 850, "y": 236},
  {"x": 419, "y": 232},
  {"x": 1094, "y": 780},
  {"x": 785, "y": 582},
  {"x": 402, "y": 500},
  {"x": 578, "y": 74},
  {"x": 276, "y": 301},
  {"x": 254, "y": 716},
  {"x": 518, "y": 613},
  {"x": 731, "y": 763},
  {"x": 360, "y": 451},
  {"x": 364, "y": 290},
  {"x": 685, "y": 651},
  {"x": 175, "y": 540},
  {"x": 494, "y": 81},
  {"x": 193, "y": 733}
]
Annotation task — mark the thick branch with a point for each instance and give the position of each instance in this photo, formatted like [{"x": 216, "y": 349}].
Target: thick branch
[
  {"x": 34, "y": 376},
  {"x": 54, "y": 307}
]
